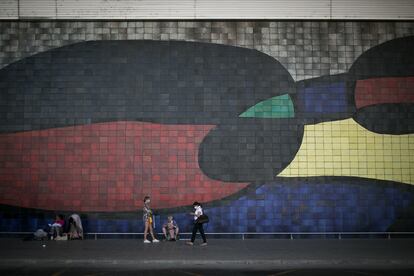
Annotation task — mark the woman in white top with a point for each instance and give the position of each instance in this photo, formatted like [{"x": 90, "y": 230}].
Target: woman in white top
[{"x": 198, "y": 211}]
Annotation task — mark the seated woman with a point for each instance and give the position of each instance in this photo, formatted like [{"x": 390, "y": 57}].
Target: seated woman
[
  {"x": 170, "y": 229},
  {"x": 56, "y": 228},
  {"x": 75, "y": 227}
]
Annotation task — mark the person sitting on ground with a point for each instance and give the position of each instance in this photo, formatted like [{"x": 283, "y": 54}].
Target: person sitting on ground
[
  {"x": 75, "y": 227},
  {"x": 56, "y": 228},
  {"x": 170, "y": 229}
]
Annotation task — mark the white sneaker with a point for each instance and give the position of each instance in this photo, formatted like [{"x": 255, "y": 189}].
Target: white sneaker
[
  {"x": 147, "y": 241},
  {"x": 155, "y": 240}
]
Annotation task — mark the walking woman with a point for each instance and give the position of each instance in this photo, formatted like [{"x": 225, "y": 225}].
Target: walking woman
[
  {"x": 148, "y": 220},
  {"x": 198, "y": 226}
]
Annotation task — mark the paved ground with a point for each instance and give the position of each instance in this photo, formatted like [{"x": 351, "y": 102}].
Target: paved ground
[
  {"x": 198, "y": 272},
  {"x": 220, "y": 257}
]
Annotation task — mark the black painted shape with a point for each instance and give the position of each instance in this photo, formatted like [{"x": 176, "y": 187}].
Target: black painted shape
[
  {"x": 156, "y": 81},
  {"x": 250, "y": 150},
  {"x": 387, "y": 118},
  {"x": 323, "y": 91},
  {"x": 393, "y": 58},
  {"x": 390, "y": 59}
]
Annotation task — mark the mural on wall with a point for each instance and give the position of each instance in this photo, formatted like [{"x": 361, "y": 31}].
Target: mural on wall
[{"x": 95, "y": 126}]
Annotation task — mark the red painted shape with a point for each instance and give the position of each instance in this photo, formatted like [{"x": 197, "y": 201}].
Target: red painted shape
[
  {"x": 107, "y": 167},
  {"x": 384, "y": 90}
]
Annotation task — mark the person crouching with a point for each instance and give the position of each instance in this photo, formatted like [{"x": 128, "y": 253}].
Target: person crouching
[{"x": 170, "y": 229}]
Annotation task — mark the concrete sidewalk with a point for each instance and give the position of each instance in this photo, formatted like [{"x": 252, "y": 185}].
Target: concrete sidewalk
[{"x": 219, "y": 254}]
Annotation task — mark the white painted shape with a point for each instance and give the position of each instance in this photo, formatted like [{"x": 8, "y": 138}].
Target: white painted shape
[
  {"x": 9, "y": 9},
  {"x": 373, "y": 9},
  {"x": 37, "y": 9},
  {"x": 125, "y": 9},
  {"x": 263, "y": 9}
]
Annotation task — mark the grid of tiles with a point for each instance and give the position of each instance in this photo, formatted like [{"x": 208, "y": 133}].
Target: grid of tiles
[
  {"x": 287, "y": 205},
  {"x": 96, "y": 126},
  {"x": 344, "y": 148},
  {"x": 106, "y": 167},
  {"x": 306, "y": 49}
]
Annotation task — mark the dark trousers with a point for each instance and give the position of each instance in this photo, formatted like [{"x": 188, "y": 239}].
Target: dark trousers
[{"x": 198, "y": 227}]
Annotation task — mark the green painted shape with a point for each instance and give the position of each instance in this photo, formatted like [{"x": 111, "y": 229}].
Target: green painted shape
[{"x": 276, "y": 107}]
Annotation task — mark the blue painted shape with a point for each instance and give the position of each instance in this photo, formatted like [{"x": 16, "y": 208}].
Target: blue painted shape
[
  {"x": 323, "y": 98},
  {"x": 319, "y": 204}
]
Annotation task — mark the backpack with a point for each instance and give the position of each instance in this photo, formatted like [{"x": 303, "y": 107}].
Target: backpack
[{"x": 40, "y": 234}]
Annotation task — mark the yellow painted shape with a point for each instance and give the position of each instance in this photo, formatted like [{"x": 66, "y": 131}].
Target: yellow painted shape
[{"x": 344, "y": 148}]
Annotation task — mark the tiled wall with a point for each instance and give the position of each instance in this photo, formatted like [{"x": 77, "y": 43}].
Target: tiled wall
[
  {"x": 306, "y": 49},
  {"x": 311, "y": 132}
]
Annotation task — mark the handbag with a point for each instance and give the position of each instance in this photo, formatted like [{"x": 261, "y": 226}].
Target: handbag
[{"x": 202, "y": 219}]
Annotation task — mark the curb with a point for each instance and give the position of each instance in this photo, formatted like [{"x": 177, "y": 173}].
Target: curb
[{"x": 213, "y": 264}]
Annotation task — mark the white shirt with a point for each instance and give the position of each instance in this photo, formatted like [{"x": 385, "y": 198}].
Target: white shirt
[{"x": 198, "y": 212}]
